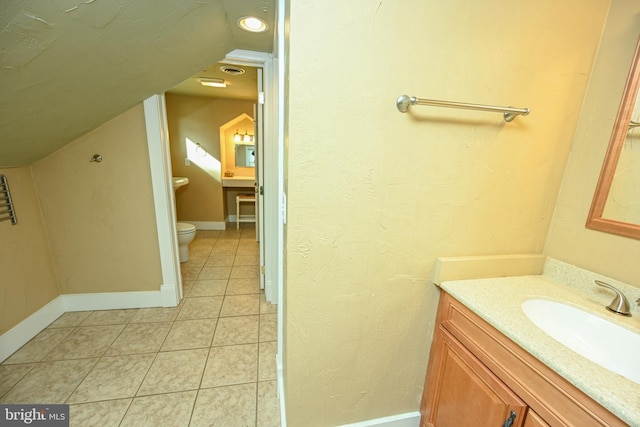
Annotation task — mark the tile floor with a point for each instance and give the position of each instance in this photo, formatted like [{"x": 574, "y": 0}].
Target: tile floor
[{"x": 208, "y": 362}]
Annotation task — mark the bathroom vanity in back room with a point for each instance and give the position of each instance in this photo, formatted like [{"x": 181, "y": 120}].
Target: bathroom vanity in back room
[{"x": 490, "y": 365}]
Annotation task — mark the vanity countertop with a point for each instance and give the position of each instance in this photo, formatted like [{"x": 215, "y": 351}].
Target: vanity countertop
[
  {"x": 498, "y": 301},
  {"x": 238, "y": 181}
]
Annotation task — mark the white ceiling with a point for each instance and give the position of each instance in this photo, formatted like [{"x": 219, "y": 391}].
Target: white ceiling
[{"x": 68, "y": 66}]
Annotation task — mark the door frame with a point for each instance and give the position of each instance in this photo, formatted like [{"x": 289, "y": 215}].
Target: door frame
[
  {"x": 155, "y": 117},
  {"x": 161, "y": 174},
  {"x": 271, "y": 225}
]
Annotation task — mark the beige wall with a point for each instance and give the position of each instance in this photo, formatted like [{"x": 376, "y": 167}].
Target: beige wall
[
  {"x": 568, "y": 239},
  {"x": 28, "y": 277},
  {"x": 374, "y": 196},
  {"x": 199, "y": 119},
  {"x": 100, "y": 216}
]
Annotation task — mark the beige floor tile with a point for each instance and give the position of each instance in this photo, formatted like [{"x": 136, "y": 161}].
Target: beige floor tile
[
  {"x": 247, "y": 260},
  {"x": 232, "y": 406},
  {"x": 223, "y": 251},
  {"x": 219, "y": 261},
  {"x": 39, "y": 346},
  {"x": 208, "y": 288},
  {"x": 11, "y": 374},
  {"x": 266, "y": 307},
  {"x": 231, "y": 233},
  {"x": 50, "y": 382},
  {"x": 156, "y": 314},
  {"x": 268, "y": 405},
  {"x": 236, "y": 330},
  {"x": 175, "y": 371},
  {"x": 246, "y": 250},
  {"x": 70, "y": 319},
  {"x": 268, "y": 327},
  {"x": 140, "y": 338},
  {"x": 189, "y": 273},
  {"x": 212, "y": 273},
  {"x": 186, "y": 334},
  {"x": 98, "y": 414},
  {"x": 113, "y": 377},
  {"x": 226, "y": 243},
  {"x": 200, "y": 308},
  {"x": 245, "y": 272},
  {"x": 228, "y": 365},
  {"x": 109, "y": 317},
  {"x": 267, "y": 361},
  {"x": 240, "y": 305},
  {"x": 187, "y": 287},
  {"x": 200, "y": 248},
  {"x": 208, "y": 234},
  {"x": 194, "y": 261},
  {"x": 84, "y": 342},
  {"x": 166, "y": 410},
  {"x": 243, "y": 286}
]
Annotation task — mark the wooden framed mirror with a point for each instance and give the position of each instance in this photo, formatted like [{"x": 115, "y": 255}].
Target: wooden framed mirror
[{"x": 615, "y": 205}]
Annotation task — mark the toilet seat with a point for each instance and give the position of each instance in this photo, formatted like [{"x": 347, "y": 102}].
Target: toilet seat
[{"x": 184, "y": 228}]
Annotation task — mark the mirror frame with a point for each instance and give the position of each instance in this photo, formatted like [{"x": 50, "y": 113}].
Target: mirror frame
[{"x": 595, "y": 220}]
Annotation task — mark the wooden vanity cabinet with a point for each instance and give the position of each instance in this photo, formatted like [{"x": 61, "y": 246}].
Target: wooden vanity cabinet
[
  {"x": 478, "y": 377},
  {"x": 466, "y": 391}
]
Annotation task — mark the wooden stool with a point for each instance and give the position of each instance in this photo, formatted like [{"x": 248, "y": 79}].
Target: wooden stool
[{"x": 244, "y": 198}]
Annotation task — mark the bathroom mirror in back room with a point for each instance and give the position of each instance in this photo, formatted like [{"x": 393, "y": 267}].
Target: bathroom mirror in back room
[
  {"x": 616, "y": 204},
  {"x": 246, "y": 156}
]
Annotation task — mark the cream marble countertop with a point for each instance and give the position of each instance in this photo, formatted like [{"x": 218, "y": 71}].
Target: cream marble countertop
[{"x": 498, "y": 301}]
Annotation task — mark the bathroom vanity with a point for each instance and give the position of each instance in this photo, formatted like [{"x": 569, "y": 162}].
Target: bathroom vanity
[
  {"x": 490, "y": 363},
  {"x": 239, "y": 182}
]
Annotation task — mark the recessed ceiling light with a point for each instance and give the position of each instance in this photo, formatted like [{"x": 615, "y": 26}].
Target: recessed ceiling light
[
  {"x": 204, "y": 81},
  {"x": 253, "y": 24}
]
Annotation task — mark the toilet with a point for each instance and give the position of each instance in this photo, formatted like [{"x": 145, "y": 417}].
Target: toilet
[{"x": 186, "y": 233}]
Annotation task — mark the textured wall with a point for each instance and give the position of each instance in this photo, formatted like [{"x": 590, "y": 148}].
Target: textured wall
[
  {"x": 568, "y": 238},
  {"x": 198, "y": 119},
  {"x": 374, "y": 196},
  {"x": 28, "y": 278},
  {"x": 100, "y": 216}
]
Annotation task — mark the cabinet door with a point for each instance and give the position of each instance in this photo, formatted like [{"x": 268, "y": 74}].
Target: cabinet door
[{"x": 463, "y": 392}]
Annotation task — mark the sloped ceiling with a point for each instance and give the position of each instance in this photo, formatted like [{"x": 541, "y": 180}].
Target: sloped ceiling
[{"x": 68, "y": 66}]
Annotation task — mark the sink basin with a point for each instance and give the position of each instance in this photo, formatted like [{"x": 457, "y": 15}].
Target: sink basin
[
  {"x": 179, "y": 181},
  {"x": 607, "y": 344}
]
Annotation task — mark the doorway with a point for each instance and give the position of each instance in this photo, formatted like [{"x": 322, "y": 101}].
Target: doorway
[{"x": 270, "y": 187}]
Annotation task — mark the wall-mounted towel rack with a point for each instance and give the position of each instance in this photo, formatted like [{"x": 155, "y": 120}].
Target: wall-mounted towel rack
[
  {"x": 405, "y": 102},
  {"x": 6, "y": 205}
]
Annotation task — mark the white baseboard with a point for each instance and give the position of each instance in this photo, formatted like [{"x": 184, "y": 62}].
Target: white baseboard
[
  {"x": 280, "y": 378},
  {"x": 207, "y": 225},
  {"x": 111, "y": 300},
  {"x": 20, "y": 334},
  {"x": 410, "y": 419}
]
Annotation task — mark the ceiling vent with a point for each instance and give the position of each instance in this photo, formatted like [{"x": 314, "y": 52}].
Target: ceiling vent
[{"x": 231, "y": 69}]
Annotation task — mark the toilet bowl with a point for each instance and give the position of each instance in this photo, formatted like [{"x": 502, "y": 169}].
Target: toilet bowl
[{"x": 186, "y": 233}]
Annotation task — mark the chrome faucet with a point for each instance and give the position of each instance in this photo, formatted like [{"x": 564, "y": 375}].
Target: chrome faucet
[{"x": 620, "y": 304}]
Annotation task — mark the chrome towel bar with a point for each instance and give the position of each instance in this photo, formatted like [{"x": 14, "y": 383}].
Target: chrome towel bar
[
  {"x": 405, "y": 102},
  {"x": 6, "y": 205}
]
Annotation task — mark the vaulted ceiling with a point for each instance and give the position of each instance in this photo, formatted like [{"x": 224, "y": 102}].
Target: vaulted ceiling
[{"x": 68, "y": 66}]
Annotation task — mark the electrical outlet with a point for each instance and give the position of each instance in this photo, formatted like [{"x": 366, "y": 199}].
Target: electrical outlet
[{"x": 187, "y": 162}]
